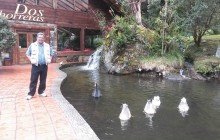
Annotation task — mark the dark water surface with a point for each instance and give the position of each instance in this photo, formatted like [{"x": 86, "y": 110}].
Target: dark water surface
[{"x": 201, "y": 123}]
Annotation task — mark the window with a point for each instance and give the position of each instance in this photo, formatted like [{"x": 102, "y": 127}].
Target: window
[
  {"x": 34, "y": 36},
  {"x": 21, "y": 1},
  {"x": 22, "y": 40},
  {"x": 37, "y": 2},
  {"x": 29, "y": 2}
]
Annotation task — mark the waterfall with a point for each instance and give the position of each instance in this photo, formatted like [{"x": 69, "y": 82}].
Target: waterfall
[{"x": 94, "y": 59}]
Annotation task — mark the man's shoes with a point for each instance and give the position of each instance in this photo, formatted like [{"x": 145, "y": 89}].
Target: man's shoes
[
  {"x": 43, "y": 94},
  {"x": 29, "y": 97}
]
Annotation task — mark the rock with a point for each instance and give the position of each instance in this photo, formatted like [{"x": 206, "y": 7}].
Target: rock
[
  {"x": 192, "y": 72},
  {"x": 218, "y": 52},
  {"x": 124, "y": 62},
  {"x": 176, "y": 77}
]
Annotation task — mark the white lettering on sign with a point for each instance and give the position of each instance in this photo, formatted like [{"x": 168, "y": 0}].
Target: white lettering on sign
[{"x": 22, "y": 12}]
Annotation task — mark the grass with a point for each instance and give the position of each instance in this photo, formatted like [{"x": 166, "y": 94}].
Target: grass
[
  {"x": 212, "y": 37},
  {"x": 170, "y": 61},
  {"x": 208, "y": 47},
  {"x": 205, "y": 61},
  {"x": 208, "y": 37},
  {"x": 203, "y": 57}
]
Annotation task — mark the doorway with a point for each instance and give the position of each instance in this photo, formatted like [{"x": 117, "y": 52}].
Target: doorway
[{"x": 24, "y": 40}]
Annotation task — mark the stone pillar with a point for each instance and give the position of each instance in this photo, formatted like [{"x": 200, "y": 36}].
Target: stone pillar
[
  {"x": 53, "y": 43},
  {"x": 82, "y": 39}
]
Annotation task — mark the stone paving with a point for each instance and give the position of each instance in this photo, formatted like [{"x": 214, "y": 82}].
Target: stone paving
[{"x": 49, "y": 118}]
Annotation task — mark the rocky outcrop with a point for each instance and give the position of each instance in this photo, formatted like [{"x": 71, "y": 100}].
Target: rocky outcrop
[
  {"x": 124, "y": 62},
  {"x": 192, "y": 72},
  {"x": 218, "y": 52},
  {"x": 129, "y": 61}
]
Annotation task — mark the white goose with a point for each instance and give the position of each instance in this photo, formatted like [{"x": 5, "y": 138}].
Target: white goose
[
  {"x": 125, "y": 113},
  {"x": 149, "y": 108},
  {"x": 183, "y": 106},
  {"x": 156, "y": 101}
]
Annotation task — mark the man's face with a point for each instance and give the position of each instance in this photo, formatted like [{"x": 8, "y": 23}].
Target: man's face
[{"x": 40, "y": 39}]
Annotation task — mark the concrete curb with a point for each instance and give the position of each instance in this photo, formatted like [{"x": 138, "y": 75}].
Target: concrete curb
[{"x": 81, "y": 129}]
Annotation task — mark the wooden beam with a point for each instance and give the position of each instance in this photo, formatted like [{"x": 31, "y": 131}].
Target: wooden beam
[
  {"x": 55, "y": 4},
  {"x": 82, "y": 39}
]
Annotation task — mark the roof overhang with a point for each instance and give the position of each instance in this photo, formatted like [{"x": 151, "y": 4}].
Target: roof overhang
[{"x": 114, "y": 5}]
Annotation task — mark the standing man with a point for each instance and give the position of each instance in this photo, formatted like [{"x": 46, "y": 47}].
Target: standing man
[{"x": 39, "y": 53}]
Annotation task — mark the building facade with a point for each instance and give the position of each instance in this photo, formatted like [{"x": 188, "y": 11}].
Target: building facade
[{"x": 71, "y": 27}]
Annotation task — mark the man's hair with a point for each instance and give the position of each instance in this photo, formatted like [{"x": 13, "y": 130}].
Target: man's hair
[{"x": 40, "y": 33}]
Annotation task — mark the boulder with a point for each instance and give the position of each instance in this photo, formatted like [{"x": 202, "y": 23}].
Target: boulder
[
  {"x": 218, "y": 52},
  {"x": 124, "y": 62}
]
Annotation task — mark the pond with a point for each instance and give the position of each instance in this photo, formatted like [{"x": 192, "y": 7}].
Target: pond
[{"x": 201, "y": 123}]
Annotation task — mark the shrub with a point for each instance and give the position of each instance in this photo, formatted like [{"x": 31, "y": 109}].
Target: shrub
[
  {"x": 208, "y": 64},
  {"x": 7, "y": 37},
  {"x": 98, "y": 42},
  {"x": 122, "y": 33},
  {"x": 126, "y": 32}
]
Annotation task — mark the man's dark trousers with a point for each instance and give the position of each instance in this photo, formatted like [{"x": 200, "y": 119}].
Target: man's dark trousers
[{"x": 36, "y": 71}]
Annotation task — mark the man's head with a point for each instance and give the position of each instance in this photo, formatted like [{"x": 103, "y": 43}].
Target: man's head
[{"x": 40, "y": 37}]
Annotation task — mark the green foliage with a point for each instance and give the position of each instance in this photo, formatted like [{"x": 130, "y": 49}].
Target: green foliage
[
  {"x": 101, "y": 19},
  {"x": 162, "y": 18},
  {"x": 7, "y": 37},
  {"x": 98, "y": 42},
  {"x": 182, "y": 18},
  {"x": 208, "y": 48},
  {"x": 209, "y": 32},
  {"x": 93, "y": 42},
  {"x": 149, "y": 38},
  {"x": 126, "y": 32},
  {"x": 122, "y": 33},
  {"x": 207, "y": 65},
  {"x": 191, "y": 53},
  {"x": 125, "y": 6},
  {"x": 196, "y": 17}
]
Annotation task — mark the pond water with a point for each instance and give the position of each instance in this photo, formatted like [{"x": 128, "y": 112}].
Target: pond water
[{"x": 201, "y": 123}]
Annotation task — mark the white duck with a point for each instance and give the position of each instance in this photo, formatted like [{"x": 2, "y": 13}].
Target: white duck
[
  {"x": 156, "y": 101},
  {"x": 149, "y": 108},
  {"x": 183, "y": 106},
  {"x": 125, "y": 113}
]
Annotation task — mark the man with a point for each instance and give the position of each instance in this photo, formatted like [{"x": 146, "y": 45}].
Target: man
[{"x": 39, "y": 53}]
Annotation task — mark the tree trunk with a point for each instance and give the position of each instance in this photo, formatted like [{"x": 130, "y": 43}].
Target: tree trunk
[
  {"x": 135, "y": 6},
  {"x": 0, "y": 58},
  {"x": 197, "y": 37},
  {"x": 164, "y": 28},
  {"x": 198, "y": 41},
  {"x": 138, "y": 13}
]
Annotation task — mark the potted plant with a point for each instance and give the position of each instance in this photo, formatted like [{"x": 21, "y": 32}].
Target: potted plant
[{"x": 7, "y": 39}]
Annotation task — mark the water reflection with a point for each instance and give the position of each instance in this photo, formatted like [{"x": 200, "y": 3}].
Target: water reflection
[
  {"x": 183, "y": 107},
  {"x": 150, "y": 117},
  {"x": 203, "y": 98},
  {"x": 124, "y": 124},
  {"x": 94, "y": 76}
]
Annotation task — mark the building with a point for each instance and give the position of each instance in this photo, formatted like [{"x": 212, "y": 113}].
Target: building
[{"x": 71, "y": 27}]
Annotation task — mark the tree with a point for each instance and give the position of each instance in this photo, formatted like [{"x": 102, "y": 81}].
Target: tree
[
  {"x": 160, "y": 16},
  {"x": 133, "y": 7},
  {"x": 7, "y": 37},
  {"x": 198, "y": 16}
]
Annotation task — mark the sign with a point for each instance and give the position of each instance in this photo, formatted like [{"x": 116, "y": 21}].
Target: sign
[{"x": 22, "y": 12}]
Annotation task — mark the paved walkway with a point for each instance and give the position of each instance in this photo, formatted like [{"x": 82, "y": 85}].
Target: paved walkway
[{"x": 49, "y": 118}]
